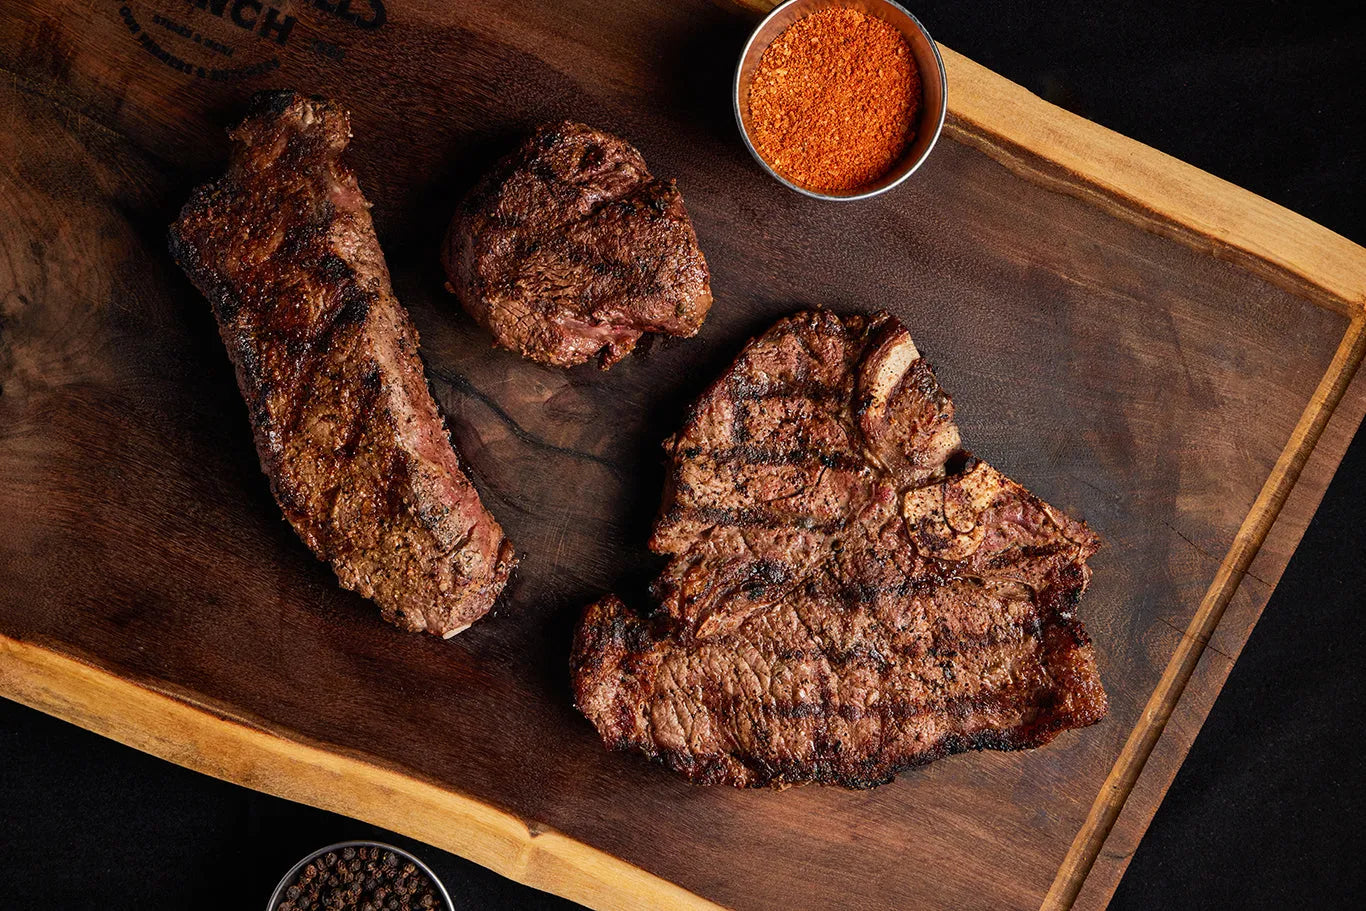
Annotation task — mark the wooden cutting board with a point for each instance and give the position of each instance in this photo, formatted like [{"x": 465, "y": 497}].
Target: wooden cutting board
[{"x": 1143, "y": 345}]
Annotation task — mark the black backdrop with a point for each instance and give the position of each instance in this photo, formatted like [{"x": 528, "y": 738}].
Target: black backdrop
[{"x": 1270, "y": 94}]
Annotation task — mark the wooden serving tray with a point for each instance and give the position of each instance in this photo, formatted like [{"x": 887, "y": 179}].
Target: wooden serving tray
[{"x": 1144, "y": 345}]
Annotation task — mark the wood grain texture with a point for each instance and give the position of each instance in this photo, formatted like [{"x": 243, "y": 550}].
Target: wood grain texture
[
  {"x": 1156, "y": 190},
  {"x": 1230, "y": 575},
  {"x": 214, "y": 745},
  {"x": 1153, "y": 350}
]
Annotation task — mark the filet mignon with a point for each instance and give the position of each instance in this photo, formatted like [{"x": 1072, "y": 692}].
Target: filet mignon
[{"x": 569, "y": 250}]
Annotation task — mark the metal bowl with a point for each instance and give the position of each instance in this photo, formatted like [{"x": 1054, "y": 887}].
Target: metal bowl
[
  {"x": 927, "y": 60},
  {"x": 278, "y": 895}
]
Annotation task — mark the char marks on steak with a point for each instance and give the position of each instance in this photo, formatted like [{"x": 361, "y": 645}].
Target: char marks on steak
[
  {"x": 357, "y": 455},
  {"x": 848, "y": 593},
  {"x": 569, "y": 250}
]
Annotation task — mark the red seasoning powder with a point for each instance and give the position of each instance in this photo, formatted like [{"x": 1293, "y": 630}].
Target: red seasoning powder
[{"x": 834, "y": 100}]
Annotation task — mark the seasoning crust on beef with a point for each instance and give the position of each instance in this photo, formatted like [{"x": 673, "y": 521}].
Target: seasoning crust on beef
[
  {"x": 356, "y": 452},
  {"x": 848, "y": 593},
  {"x": 569, "y": 250}
]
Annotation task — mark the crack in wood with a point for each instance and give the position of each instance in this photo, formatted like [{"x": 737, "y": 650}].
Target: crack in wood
[
  {"x": 1198, "y": 637},
  {"x": 46, "y": 93},
  {"x": 462, "y": 385},
  {"x": 1204, "y": 553}
]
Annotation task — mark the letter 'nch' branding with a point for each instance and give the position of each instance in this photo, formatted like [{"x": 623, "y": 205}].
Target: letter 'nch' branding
[{"x": 223, "y": 40}]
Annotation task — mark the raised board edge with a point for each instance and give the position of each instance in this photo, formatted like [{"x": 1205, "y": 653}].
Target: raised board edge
[
  {"x": 1124, "y": 774},
  {"x": 1161, "y": 192},
  {"x": 1000, "y": 117},
  {"x": 288, "y": 767}
]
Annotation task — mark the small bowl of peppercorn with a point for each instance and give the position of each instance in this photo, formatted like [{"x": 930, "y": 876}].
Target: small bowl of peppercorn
[
  {"x": 360, "y": 876},
  {"x": 840, "y": 99}
]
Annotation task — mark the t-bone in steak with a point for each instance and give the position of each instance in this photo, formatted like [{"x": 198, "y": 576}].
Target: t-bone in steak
[
  {"x": 355, "y": 449},
  {"x": 848, "y": 593},
  {"x": 569, "y": 250}
]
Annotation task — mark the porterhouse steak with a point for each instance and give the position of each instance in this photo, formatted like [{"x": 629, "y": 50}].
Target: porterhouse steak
[
  {"x": 348, "y": 434},
  {"x": 569, "y": 250},
  {"x": 848, "y": 593}
]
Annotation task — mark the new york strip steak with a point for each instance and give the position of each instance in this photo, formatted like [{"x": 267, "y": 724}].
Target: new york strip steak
[
  {"x": 356, "y": 452},
  {"x": 848, "y": 593}
]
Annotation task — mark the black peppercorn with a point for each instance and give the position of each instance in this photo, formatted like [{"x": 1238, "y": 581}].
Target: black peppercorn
[{"x": 360, "y": 879}]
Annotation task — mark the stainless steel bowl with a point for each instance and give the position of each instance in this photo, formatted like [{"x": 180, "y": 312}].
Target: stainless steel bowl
[
  {"x": 927, "y": 60},
  {"x": 278, "y": 895}
]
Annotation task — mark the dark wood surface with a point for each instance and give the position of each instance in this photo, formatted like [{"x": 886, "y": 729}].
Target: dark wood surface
[{"x": 1127, "y": 377}]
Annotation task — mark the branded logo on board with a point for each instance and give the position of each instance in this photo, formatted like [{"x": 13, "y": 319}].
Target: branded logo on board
[{"x": 226, "y": 40}]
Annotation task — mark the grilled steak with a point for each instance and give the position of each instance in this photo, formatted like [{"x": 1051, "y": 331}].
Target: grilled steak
[
  {"x": 356, "y": 452},
  {"x": 848, "y": 593},
  {"x": 569, "y": 250}
]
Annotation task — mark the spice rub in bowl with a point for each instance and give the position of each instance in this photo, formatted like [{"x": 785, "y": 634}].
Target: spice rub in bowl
[
  {"x": 840, "y": 100},
  {"x": 834, "y": 102}
]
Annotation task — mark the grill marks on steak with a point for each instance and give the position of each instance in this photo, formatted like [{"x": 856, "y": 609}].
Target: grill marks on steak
[
  {"x": 356, "y": 452},
  {"x": 569, "y": 250},
  {"x": 777, "y": 457},
  {"x": 848, "y": 593}
]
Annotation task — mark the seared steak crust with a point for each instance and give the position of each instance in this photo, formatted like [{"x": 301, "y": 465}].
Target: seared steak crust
[
  {"x": 848, "y": 593},
  {"x": 569, "y": 250},
  {"x": 356, "y": 452}
]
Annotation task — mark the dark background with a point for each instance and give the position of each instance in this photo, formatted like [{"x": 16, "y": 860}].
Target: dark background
[{"x": 1266, "y": 811}]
